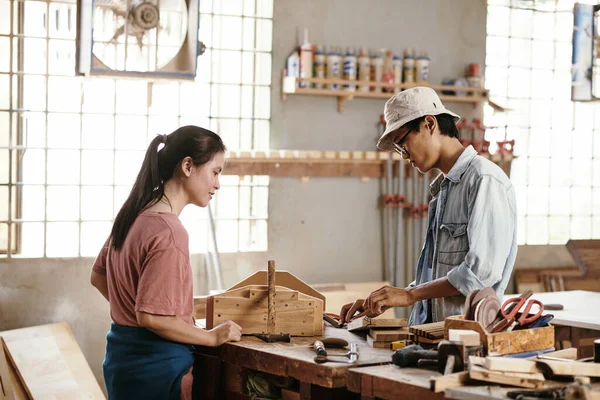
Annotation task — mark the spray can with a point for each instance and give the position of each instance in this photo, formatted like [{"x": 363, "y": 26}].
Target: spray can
[
  {"x": 293, "y": 64},
  {"x": 364, "y": 70},
  {"x": 350, "y": 69},
  {"x": 306, "y": 60},
  {"x": 409, "y": 66},
  {"x": 423, "y": 68},
  {"x": 333, "y": 67},
  {"x": 319, "y": 71},
  {"x": 388, "y": 71},
  {"x": 377, "y": 70},
  {"x": 397, "y": 69}
]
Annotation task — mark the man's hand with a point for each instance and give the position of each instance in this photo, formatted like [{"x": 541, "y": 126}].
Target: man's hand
[
  {"x": 386, "y": 297},
  {"x": 377, "y": 302},
  {"x": 348, "y": 311}
]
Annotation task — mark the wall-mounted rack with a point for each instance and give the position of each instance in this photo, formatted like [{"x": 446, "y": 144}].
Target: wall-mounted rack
[
  {"x": 299, "y": 163},
  {"x": 291, "y": 86}
]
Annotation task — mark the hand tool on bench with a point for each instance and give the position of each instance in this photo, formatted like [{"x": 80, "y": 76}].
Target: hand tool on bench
[
  {"x": 351, "y": 355},
  {"x": 320, "y": 346},
  {"x": 335, "y": 322},
  {"x": 510, "y": 318},
  {"x": 271, "y": 336}
]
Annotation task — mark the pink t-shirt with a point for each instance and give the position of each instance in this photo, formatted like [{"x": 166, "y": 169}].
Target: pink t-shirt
[{"x": 151, "y": 272}]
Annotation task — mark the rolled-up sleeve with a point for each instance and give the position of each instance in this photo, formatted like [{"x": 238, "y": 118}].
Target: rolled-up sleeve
[{"x": 490, "y": 232}]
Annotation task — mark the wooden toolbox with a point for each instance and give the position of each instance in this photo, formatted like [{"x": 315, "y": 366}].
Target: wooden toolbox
[{"x": 518, "y": 341}]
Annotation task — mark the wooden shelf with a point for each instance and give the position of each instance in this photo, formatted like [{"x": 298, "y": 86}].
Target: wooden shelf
[
  {"x": 304, "y": 164},
  {"x": 290, "y": 86}
]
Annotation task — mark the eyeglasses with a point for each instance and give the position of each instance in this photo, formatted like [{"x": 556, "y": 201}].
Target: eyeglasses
[{"x": 399, "y": 145}]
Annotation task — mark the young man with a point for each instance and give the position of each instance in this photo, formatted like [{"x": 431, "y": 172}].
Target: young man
[{"x": 471, "y": 239}]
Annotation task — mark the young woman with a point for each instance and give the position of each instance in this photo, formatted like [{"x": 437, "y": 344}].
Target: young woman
[{"x": 144, "y": 271}]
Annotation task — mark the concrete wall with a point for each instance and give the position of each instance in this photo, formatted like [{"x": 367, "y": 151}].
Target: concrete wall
[{"x": 329, "y": 229}]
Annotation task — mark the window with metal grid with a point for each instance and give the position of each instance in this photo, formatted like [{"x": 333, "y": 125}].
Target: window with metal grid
[
  {"x": 557, "y": 142},
  {"x": 71, "y": 146}
]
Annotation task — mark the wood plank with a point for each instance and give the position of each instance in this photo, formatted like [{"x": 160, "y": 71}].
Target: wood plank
[
  {"x": 569, "y": 368},
  {"x": 381, "y": 344},
  {"x": 50, "y": 363},
  {"x": 507, "y": 364},
  {"x": 531, "y": 381},
  {"x": 366, "y": 323},
  {"x": 441, "y": 383},
  {"x": 6, "y": 384},
  {"x": 390, "y": 335}
]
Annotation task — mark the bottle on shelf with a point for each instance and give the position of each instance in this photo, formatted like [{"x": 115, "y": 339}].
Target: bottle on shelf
[
  {"x": 397, "y": 69},
  {"x": 377, "y": 70},
  {"x": 388, "y": 71},
  {"x": 364, "y": 70},
  {"x": 350, "y": 69},
  {"x": 306, "y": 60},
  {"x": 422, "y": 68},
  {"x": 319, "y": 64},
  {"x": 293, "y": 65},
  {"x": 333, "y": 67},
  {"x": 409, "y": 66}
]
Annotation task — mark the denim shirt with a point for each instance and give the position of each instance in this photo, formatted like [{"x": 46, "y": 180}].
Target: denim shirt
[{"x": 471, "y": 236}]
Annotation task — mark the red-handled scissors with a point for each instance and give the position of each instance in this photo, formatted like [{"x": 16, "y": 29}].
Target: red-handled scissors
[{"x": 511, "y": 308}]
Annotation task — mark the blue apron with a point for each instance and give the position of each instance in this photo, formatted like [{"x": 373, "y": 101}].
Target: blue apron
[{"x": 139, "y": 364}]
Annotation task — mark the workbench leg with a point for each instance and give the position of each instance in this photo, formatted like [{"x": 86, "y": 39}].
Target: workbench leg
[
  {"x": 314, "y": 392},
  {"x": 207, "y": 377}
]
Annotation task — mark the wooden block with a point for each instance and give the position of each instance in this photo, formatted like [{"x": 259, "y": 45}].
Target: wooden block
[
  {"x": 569, "y": 368},
  {"x": 531, "y": 381},
  {"x": 366, "y": 323},
  {"x": 358, "y": 155},
  {"x": 315, "y": 154},
  {"x": 378, "y": 344},
  {"x": 467, "y": 337},
  {"x": 507, "y": 364},
  {"x": 330, "y": 155},
  {"x": 344, "y": 155},
  {"x": 370, "y": 155},
  {"x": 443, "y": 382},
  {"x": 390, "y": 335}
]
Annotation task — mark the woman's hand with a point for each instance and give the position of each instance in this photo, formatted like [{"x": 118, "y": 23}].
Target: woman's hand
[{"x": 228, "y": 331}]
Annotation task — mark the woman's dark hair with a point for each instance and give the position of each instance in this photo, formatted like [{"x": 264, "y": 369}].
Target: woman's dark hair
[
  {"x": 445, "y": 121},
  {"x": 158, "y": 167}
]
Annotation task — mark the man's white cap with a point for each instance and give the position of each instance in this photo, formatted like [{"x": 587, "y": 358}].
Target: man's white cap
[{"x": 407, "y": 106}]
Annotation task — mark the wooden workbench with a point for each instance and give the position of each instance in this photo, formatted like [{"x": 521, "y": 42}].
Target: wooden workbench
[
  {"x": 578, "y": 324},
  {"x": 232, "y": 361},
  {"x": 391, "y": 382}
]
